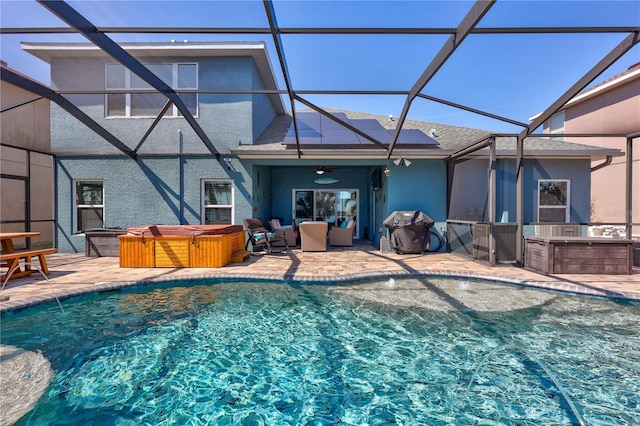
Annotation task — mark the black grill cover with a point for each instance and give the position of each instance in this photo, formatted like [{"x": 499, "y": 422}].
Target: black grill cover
[{"x": 409, "y": 231}]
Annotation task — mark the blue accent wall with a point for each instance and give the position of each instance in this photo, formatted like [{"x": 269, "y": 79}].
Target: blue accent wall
[
  {"x": 285, "y": 179},
  {"x": 228, "y": 119},
  {"x": 421, "y": 186},
  {"x": 153, "y": 190},
  {"x": 469, "y": 200},
  {"x": 578, "y": 172}
]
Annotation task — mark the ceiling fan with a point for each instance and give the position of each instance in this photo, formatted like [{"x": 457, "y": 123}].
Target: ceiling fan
[{"x": 320, "y": 170}]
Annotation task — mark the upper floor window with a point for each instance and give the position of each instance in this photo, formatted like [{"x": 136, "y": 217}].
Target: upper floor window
[
  {"x": 217, "y": 202},
  {"x": 89, "y": 204},
  {"x": 556, "y": 124},
  {"x": 553, "y": 200},
  {"x": 177, "y": 75}
]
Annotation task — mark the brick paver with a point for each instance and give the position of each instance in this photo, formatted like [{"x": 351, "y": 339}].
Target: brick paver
[{"x": 73, "y": 274}]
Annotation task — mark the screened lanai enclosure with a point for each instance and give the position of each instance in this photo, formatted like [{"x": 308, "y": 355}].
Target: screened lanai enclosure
[{"x": 506, "y": 67}]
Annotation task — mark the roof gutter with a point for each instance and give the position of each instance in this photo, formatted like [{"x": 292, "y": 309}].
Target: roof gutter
[{"x": 602, "y": 165}]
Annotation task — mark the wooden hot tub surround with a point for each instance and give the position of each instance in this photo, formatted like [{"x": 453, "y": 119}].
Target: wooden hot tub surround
[{"x": 182, "y": 246}]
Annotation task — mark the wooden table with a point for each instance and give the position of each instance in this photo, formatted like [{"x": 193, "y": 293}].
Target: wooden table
[{"x": 10, "y": 257}]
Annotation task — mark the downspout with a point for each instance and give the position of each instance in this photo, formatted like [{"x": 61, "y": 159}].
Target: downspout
[{"x": 603, "y": 164}]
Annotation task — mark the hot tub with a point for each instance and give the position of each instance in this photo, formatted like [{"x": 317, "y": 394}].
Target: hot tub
[{"x": 182, "y": 246}]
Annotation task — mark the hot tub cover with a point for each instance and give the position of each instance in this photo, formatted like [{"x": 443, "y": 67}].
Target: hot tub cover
[{"x": 183, "y": 230}]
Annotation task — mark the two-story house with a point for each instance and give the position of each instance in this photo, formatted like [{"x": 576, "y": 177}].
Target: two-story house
[
  {"x": 611, "y": 107},
  {"x": 233, "y": 152}
]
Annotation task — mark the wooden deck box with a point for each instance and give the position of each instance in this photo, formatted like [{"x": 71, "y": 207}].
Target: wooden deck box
[
  {"x": 578, "y": 255},
  {"x": 102, "y": 242}
]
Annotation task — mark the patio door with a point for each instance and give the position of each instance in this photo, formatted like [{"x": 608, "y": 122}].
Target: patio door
[{"x": 333, "y": 206}]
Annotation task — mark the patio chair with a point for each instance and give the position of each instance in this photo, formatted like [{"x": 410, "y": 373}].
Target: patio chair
[
  {"x": 313, "y": 236},
  {"x": 339, "y": 236},
  {"x": 259, "y": 236},
  {"x": 285, "y": 231}
]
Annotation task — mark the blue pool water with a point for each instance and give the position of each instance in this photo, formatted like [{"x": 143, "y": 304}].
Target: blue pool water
[{"x": 426, "y": 351}]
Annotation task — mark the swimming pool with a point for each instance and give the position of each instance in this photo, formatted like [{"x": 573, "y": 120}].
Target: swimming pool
[{"x": 405, "y": 351}]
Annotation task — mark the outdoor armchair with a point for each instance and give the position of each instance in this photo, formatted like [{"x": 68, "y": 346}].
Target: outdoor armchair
[
  {"x": 339, "y": 236},
  {"x": 285, "y": 231},
  {"x": 259, "y": 236},
  {"x": 313, "y": 236}
]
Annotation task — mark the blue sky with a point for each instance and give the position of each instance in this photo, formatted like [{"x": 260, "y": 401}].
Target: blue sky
[{"x": 515, "y": 76}]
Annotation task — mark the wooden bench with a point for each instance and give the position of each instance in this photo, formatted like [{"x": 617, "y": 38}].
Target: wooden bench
[{"x": 11, "y": 261}]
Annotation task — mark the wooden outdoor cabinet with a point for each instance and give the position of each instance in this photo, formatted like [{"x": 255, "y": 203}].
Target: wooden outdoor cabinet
[{"x": 578, "y": 255}]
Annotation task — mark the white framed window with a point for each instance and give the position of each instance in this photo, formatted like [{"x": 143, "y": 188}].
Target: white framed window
[
  {"x": 217, "y": 202},
  {"x": 88, "y": 200},
  {"x": 177, "y": 75},
  {"x": 553, "y": 200},
  {"x": 556, "y": 124}
]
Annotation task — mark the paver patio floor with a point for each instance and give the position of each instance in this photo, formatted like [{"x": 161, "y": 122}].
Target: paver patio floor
[{"x": 72, "y": 274}]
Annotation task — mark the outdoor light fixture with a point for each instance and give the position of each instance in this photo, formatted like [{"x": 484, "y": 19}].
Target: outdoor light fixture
[
  {"x": 402, "y": 161},
  {"x": 320, "y": 170},
  {"x": 386, "y": 171},
  {"x": 230, "y": 167}
]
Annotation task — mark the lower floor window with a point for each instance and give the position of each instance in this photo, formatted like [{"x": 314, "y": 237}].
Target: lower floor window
[
  {"x": 553, "y": 200},
  {"x": 217, "y": 202},
  {"x": 89, "y": 204}
]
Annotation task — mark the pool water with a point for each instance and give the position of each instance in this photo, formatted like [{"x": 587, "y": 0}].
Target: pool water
[{"x": 408, "y": 352}]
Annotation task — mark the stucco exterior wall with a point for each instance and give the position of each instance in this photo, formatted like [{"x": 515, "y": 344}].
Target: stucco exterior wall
[
  {"x": 285, "y": 179},
  {"x": 26, "y": 126},
  {"x": 228, "y": 119},
  {"x": 422, "y": 186},
  {"x": 614, "y": 111},
  {"x": 469, "y": 190},
  {"x": 469, "y": 198},
  {"x": 576, "y": 171},
  {"x": 153, "y": 190}
]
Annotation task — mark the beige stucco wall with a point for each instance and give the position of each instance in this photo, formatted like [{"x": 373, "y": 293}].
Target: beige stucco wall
[
  {"x": 28, "y": 127},
  {"x": 613, "y": 111}
]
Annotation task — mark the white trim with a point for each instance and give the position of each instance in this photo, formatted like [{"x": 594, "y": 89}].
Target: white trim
[
  {"x": 204, "y": 206},
  {"x": 173, "y": 112},
  {"x": 566, "y": 207},
  {"x": 75, "y": 207}
]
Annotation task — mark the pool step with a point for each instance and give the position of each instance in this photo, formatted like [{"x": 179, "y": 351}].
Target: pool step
[{"x": 240, "y": 256}]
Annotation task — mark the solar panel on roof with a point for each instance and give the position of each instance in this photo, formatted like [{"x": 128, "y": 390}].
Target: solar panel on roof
[
  {"x": 414, "y": 136},
  {"x": 366, "y": 124},
  {"x": 317, "y": 129},
  {"x": 339, "y": 137},
  {"x": 308, "y": 122},
  {"x": 382, "y": 136}
]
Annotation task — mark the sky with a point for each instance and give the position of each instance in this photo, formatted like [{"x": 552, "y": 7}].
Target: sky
[{"x": 510, "y": 75}]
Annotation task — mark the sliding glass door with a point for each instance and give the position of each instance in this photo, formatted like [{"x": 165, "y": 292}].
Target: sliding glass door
[{"x": 333, "y": 206}]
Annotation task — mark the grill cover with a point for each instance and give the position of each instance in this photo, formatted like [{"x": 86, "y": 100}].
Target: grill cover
[{"x": 409, "y": 231}]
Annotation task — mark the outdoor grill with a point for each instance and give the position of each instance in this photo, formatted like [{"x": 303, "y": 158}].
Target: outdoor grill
[{"x": 409, "y": 231}]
